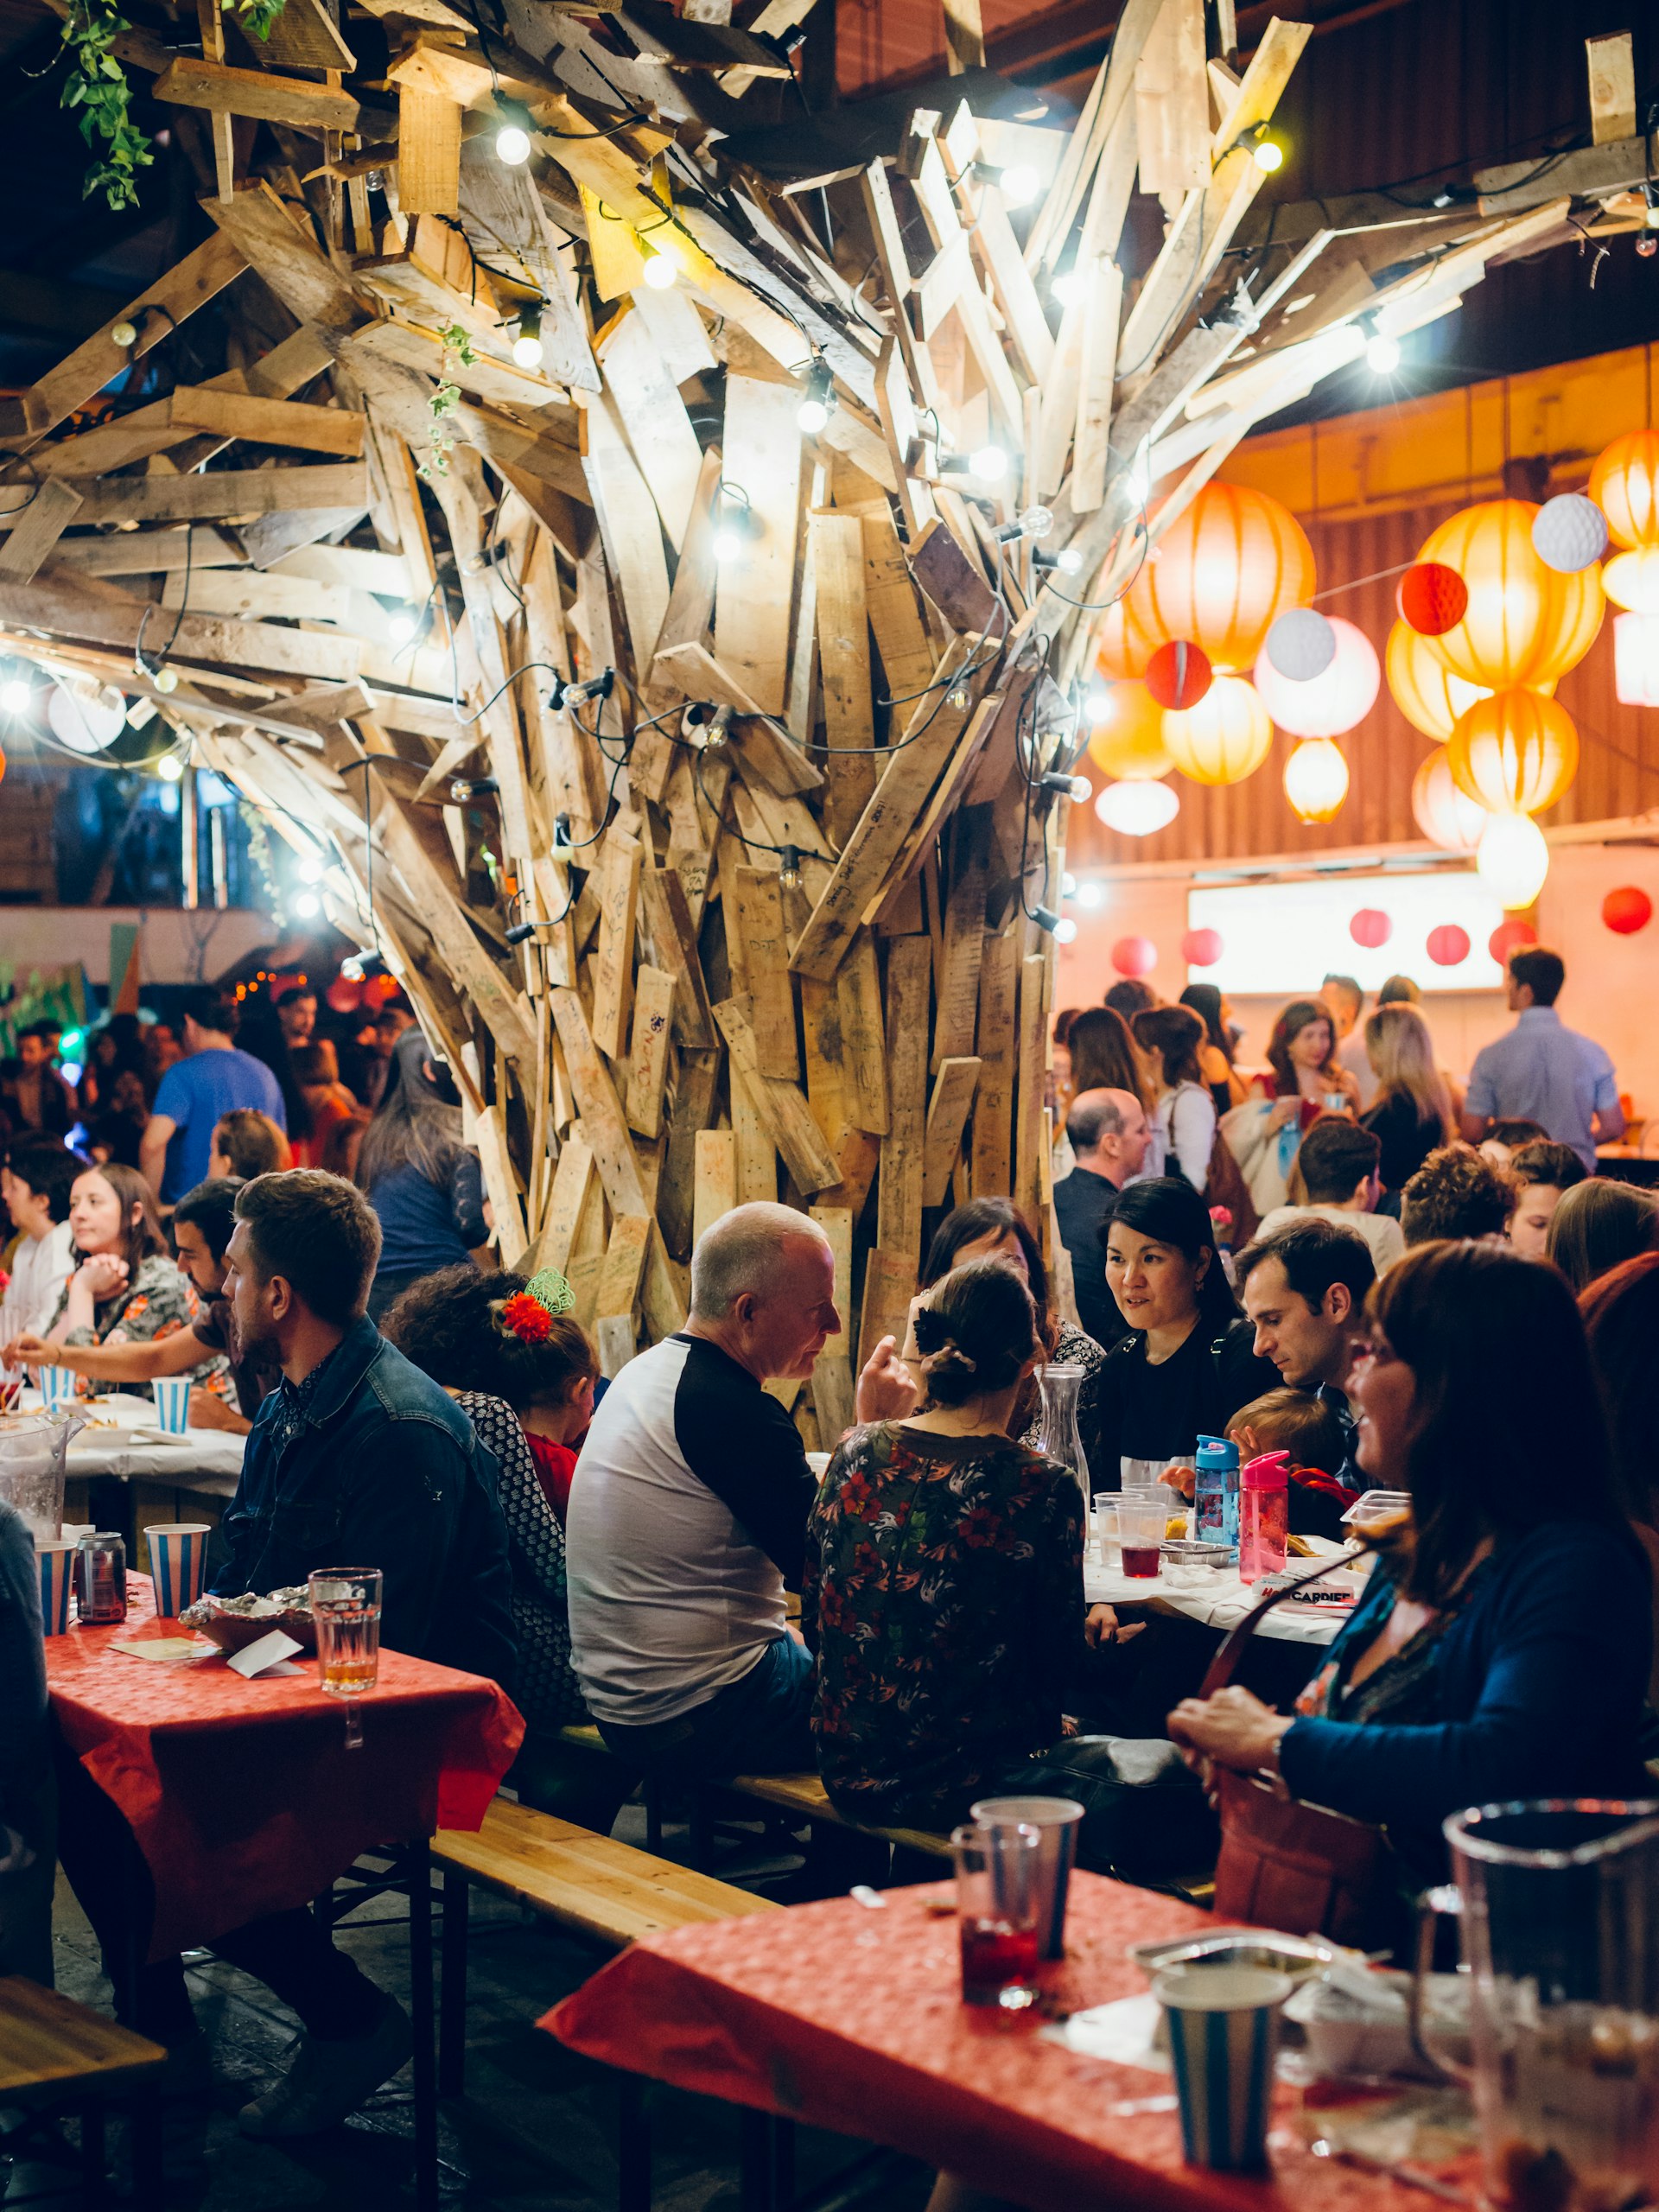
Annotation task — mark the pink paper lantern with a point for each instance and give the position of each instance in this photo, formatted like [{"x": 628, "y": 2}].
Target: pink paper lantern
[
  {"x": 1371, "y": 928},
  {"x": 1448, "y": 945},
  {"x": 1507, "y": 938},
  {"x": 1135, "y": 956},
  {"x": 1627, "y": 909},
  {"x": 1201, "y": 948},
  {"x": 1330, "y": 704}
]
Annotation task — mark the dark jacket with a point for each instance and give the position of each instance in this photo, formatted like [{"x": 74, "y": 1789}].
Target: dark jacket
[
  {"x": 383, "y": 1470},
  {"x": 1083, "y": 1204}
]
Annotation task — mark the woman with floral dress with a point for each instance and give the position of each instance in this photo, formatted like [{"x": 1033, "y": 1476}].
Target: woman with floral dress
[{"x": 125, "y": 1290}]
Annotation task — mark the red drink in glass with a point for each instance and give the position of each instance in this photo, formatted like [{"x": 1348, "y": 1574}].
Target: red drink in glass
[
  {"x": 1140, "y": 1561},
  {"x": 996, "y": 1959}
]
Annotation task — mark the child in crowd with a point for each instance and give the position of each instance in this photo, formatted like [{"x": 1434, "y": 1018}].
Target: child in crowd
[{"x": 1298, "y": 1422}]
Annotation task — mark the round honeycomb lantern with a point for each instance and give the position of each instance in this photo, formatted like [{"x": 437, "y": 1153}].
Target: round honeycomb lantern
[
  {"x": 1625, "y": 484},
  {"x": 1525, "y": 623},
  {"x": 1431, "y": 598},
  {"x": 1446, "y": 817},
  {"x": 1515, "y": 752},
  {"x": 1135, "y": 956},
  {"x": 1508, "y": 937},
  {"x": 1178, "y": 675},
  {"x": 1627, "y": 909},
  {"x": 1224, "y": 738},
  {"x": 1448, "y": 945},
  {"x": 1330, "y": 704},
  {"x": 1127, "y": 740},
  {"x": 1219, "y": 577},
  {"x": 1316, "y": 780},
  {"x": 1201, "y": 948}
]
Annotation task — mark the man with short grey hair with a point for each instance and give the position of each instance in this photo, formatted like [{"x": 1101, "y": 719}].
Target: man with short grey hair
[
  {"x": 1108, "y": 1135},
  {"x": 687, "y": 1514},
  {"x": 1346, "y": 1001}
]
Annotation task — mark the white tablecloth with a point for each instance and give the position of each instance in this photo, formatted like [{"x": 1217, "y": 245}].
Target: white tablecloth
[
  {"x": 1220, "y": 1601},
  {"x": 205, "y": 1459}
]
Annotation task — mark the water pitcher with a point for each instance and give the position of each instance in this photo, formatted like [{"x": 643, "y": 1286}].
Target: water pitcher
[
  {"x": 1060, "y": 1437},
  {"x": 1558, "y": 1905},
  {"x": 32, "y": 1447}
]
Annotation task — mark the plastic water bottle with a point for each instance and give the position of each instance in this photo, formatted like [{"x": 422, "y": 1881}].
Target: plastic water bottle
[
  {"x": 1264, "y": 1515},
  {"x": 1215, "y": 1497}
]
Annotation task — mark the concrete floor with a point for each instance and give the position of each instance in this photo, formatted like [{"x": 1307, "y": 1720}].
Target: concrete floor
[{"x": 536, "y": 2127}]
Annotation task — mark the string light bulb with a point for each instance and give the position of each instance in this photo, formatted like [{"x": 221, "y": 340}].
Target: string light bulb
[
  {"x": 512, "y": 145},
  {"x": 311, "y": 870},
  {"x": 1091, "y": 896},
  {"x": 124, "y": 333},
  {"x": 166, "y": 679},
  {"x": 1066, "y": 288},
  {"x": 789, "y": 868},
  {"x": 527, "y": 346},
  {"x": 169, "y": 768},
  {"x": 307, "y": 906},
  {"x": 989, "y": 463},
  {"x": 659, "y": 272},
  {"x": 14, "y": 695},
  {"x": 1265, "y": 151},
  {"x": 1065, "y": 930},
  {"x": 1382, "y": 351},
  {"x": 818, "y": 397},
  {"x": 1021, "y": 184},
  {"x": 401, "y": 625}
]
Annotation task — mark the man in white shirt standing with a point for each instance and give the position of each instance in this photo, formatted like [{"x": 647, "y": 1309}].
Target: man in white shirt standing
[
  {"x": 1346, "y": 1000},
  {"x": 35, "y": 1185}
]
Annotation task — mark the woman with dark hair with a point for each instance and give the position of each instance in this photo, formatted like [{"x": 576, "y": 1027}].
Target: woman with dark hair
[
  {"x": 425, "y": 1185},
  {"x": 1187, "y": 1364},
  {"x": 1305, "y": 1081},
  {"x": 1598, "y": 1224},
  {"x": 995, "y": 1229},
  {"x": 1502, "y": 1646},
  {"x": 1185, "y": 1115},
  {"x": 1621, "y": 1322},
  {"x": 515, "y": 1359},
  {"x": 125, "y": 1288},
  {"x": 1102, "y": 1052},
  {"x": 1129, "y": 996},
  {"x": 1226, "y": 1085}
]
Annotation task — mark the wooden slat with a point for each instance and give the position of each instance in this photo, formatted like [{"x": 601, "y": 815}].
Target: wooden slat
[
  {"x": 716, "y": 1179},
  {"x": 619, "y": 900},
  {"x": 47, "y": 513},
  {"x": 762, "y": 443},
  {"x": 189, "y": 82},
  {"x": 654, "y": 415},
  {"x": 572, "y": 1180},
  {"x": 947, "y": 1114},
  {"x": 844, "y": 658},
  {"x": 653, "y": 1014},
  {"x": 48, "y": 2042},
  {"x": 603, "y": 1124},
  {"x": 898, "y": 1218},
  {"x": 783, "y": 1111},
  {"x": 758, "y": 902}
]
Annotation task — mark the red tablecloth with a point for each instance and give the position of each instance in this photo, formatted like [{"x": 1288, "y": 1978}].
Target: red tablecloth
[
  {"x": 242, "y": 1795},
  {"x": 853, "y": 2020}
]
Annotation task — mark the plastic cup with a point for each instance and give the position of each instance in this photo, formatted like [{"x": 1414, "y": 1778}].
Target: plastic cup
[
  {"x": 56, "y": 1559},
  {"x": 1105, "y": 1514},
  {"x": 1140, "y": 1522},
  {"x": 1055, "y": 1820},
  {"x": 171, "y": 1403},
  {"x": 178, "y": 1561},
  {"x": 996, "y": 1914},
  {"x": 1223, "y": 2029},
  {"x": 57, "y": 1386}
]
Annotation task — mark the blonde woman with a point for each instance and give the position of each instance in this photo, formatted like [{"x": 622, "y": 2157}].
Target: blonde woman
[{"x": 1413, "y": 1113}]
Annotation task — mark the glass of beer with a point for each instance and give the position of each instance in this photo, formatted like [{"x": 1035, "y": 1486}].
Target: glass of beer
[{"x": 346, "y": 1606}]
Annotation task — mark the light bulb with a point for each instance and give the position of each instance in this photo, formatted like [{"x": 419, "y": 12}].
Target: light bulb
[
  {"x": 1097, "y": 702},
  {"x": 988, "y": 463},
  {"x": 1382, "y": 354},
  {"x": 789, "y": 868},
  {"x": 659, "y": 272},
  {"x": 1267, "y": 154},
  {"x": 959, "y": 698},
  {"x": 1067, "y": 287},
  {"x": 1650, "y": 215},
  {"x": 123, "y": 334},
  {"x": 402, "y": 625},
  {"x": 1065, "y": 930},
  {"x": 511, "y": 145},
  {"x": 727, "y": 544},
  {"x": 1045, "y": 918},
  {"x": 1069, "y": 562},
  {"x": 1081, "y": 790},
  {"x": 1020, "y": 185},
  {"x": 527, "y": 346},
  {"x": 1136, "y": 485},
  {"x": 169, "y": 768},
  {"x": 813, "y": 414},
  {"x": 307, "y": 906},
  {"x": 166, "y": 679},
  {"x": 1068, "y": 884},
  {"x": 311, "y": 869},
  {"x": 1036, "y": 522},
  {"x": 351, "y": 968},
  {"x": 1090, "y": 895},
  {"x": 14, "y": 695}
]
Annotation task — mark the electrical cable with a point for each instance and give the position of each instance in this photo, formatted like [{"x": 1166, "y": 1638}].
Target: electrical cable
[{"x": 153, "y": 669}]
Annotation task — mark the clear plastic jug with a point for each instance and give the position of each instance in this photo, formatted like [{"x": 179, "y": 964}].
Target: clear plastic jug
[
  {"x": 1558, "y": 1904},
  {"x": 33, "y": 1451},
  {"x": 1061, "y": 1438}
]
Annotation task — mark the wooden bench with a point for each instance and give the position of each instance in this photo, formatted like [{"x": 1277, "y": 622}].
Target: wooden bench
[
  {"x": 56, "y": 2056},
  {"x": 804, "y": 1796}
]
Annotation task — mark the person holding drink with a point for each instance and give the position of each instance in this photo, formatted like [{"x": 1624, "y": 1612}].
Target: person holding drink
[{"x": 1305, "y": 1081}]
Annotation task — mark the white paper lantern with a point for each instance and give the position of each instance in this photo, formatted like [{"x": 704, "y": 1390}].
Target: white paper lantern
[
  {"x": 1446, "y": 816},
  {"x": 1569, "y": 532},
  {"x": 1631, "y": 580},
  {"x": 86, "y": 717},
  {"x": 1136, "y": 809},
  {"x": 1316, "y": 780},
  {"x": 1324, "y": 705},
  {"x": 1513, "y": 859},
  {"x": 1636, "y": 660},
  {"x": 1300, "y": 645}
]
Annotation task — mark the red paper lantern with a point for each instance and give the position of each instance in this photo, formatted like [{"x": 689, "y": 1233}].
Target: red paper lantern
[
  {"x": 1432, "y": 598},
  {"x": 1178, "y": 675},
  {"x": 1507, "y": 938},
  {"x": 1448, "y": 945},
  {"x": 1627, "y": 909},
  {"x": 1371, "y": 928},
  {"x": 1201, "y": 948},
  {"x": 1135, "y": 956},
  {"x": 344, "y": 995}
]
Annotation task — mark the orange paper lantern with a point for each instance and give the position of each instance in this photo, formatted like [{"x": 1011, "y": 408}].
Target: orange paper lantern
[
  {"x": 1627, "y": 909},
  {"x": 1128, "y": 737},
  {"x": 1525, "y": 623},
  {"x": 1625, "y": 484},
  {"x": 1224, "y": 738},
  {"x": 1514, "y": 754},
  {"x": 1219, "y": 577}
]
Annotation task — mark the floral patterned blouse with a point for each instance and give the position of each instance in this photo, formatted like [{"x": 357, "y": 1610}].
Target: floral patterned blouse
[
  {"x": 943, "y": 1597},
  {"x": 158, "y": 1301}
]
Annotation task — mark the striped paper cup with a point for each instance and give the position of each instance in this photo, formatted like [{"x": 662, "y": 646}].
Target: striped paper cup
[
  {"x": 178, "y": 1561},
  {"x": 57, "y": 1386},
  {"x": 56, "y": 1558},
  {"x": 1223, "y": 2029},
  {"x": 171, "y": 1403}
]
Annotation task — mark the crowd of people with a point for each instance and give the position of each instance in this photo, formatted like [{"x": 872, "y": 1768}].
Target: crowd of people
[{"x": 625, "y": 1553}]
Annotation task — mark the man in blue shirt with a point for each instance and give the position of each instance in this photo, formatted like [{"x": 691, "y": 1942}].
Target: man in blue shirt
[
  {"x": 1542, "y": 1071},
  {"x": 212, "y": 1079}
]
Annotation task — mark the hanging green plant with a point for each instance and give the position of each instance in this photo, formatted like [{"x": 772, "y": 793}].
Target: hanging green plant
[
  {"x": 445, "y": 401},
  {"x": 255, "y": 16},
  {"x": 96, "y": 85}
]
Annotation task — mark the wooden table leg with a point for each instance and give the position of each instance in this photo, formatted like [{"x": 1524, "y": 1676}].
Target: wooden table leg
[
  {"x": 452, "y": 1999},
  {"x": 424, "y": 2069}
]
